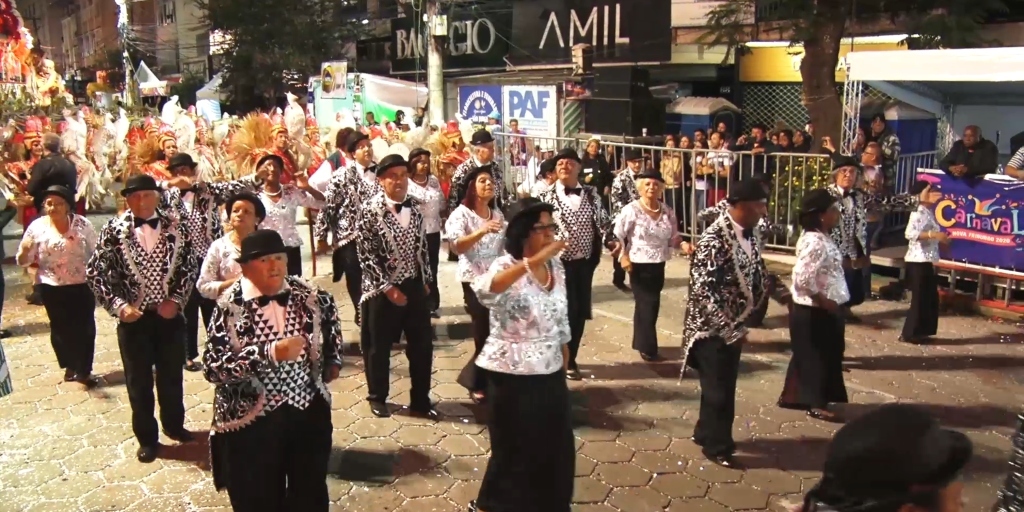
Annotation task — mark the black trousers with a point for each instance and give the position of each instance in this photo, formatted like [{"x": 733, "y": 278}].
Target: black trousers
[
  {"x": 382, "y": 327},
  {"x": 618, "y": 273},
  {"x": 434, "y": 253},
  {"x": 855, "y": 283},
  {"x": 923, "y": 317},
  {"x": 647, "y": 280},
  {"x": 815, "y": 375},
  {"x": 533, "y": 455},
  {"x": 471, "y": 377},
  {"x": 756, "y": 318},
  {"x": 346, "y": 263},
  {"x": 294, "y": 261},
  {"x": 278, "y": 463},
  {"x": 153, "y": 341},
  {"x": 718, "y": 365},
  {"x": 196, "y": 304},
  {"x": 579, "y": 285},
  {"x": 71, "y": 310}
]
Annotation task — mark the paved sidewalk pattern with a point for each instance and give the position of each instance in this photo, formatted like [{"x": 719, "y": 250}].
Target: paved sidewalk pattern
[{"x": 66, "y": 449}]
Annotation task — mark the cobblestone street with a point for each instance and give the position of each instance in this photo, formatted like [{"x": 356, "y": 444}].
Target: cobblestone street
[{"x": 66, "y": 449}]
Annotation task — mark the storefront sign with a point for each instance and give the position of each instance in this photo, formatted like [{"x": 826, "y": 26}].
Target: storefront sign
[
  {"x": 333, "y": 77},
  {"x": 478, "y": 102},
  {"x": 544, "y": 31},
  {"x": 782, "y": 63},
  {"x": 982, "y": 217},
  {"x": 534, "y": 107},
  {"x": 473, "y": 42},
  {"x": 694, "y": 13}
]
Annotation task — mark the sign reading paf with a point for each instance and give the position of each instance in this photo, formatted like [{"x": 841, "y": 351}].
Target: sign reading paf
[
  {"x": 782, "y": 63},
  {"x": 535, "y": 107}
]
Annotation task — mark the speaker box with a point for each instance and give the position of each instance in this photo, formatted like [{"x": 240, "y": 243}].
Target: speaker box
[
  {"x": 622, "y": 83},
  {"x": 629, "y": 118}
]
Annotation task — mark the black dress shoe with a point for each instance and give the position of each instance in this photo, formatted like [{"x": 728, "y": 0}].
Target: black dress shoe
[
  {"x": 146, "y": 454},
  {"x": 696, "y": 441},
  {"x": 726, "y": 461},
  {"x": 429, "y": 413},
  {"x": 380, "y": 409},
  {"x": 86, "y": 380},
  {"x": 181, "y": 436},
  {"x": 852, "y": 318},
  {"x": 435, "y": 314},
  {"x": 623, "y": 287},
  {"x": 573, "y": 374},
  {"x": 651, "y": 358},
  {"x": 69, "y": 375},
  {"x": 192, "y": 366},
  {"x": 823, "y": 416},
  {"x": 5, "y": 333}
]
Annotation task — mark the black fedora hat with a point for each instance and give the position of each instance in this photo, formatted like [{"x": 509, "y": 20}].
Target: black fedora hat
[
  {"x": 481, "y": 137},
  {"x": 260, "y": 243},
  {"x": 391, "y": 161},
  {"x": 747, "y": 190},
  {"x": 418, "y": 152},
  {"x": 517, "y": 210},
  {"x": 650, "y": 174},
  {"x": 354, "y": 140},
  {"x": 569, "y": 153},
  {"x": 139, "y": 183},
  {"x": 546, "y": 167},
  {"x": 816, "y": 201},
  {"x": 476, "y": 171},
  {"x": 249, "y": 197},
  {"x": 270, "y": 156},
  {"x": 840, "y": 161},
  {"x": 62, "y": 192},
  {"x": 632, "y": 154},
  {"x": 181, "y": 159}
]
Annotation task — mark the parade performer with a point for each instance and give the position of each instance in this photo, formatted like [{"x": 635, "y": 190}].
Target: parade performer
[
  {"x": 451, "y": 148},
  {"x": 392, "y": 250},
  {"x": 282, "y": 203},
  {"x": 925, "y": 240},
  {"x": 623, "y": 193},
  {"x": 18, "y": 173},
  {"x": 318, "y": 153},
  {"x": 817, "y": 328},
  {"x": 273, "y": 347},
  {"x": 209, "y": 168},
  {"x": 533, "y": 456},
  {"x": 61, "y": 243},
  {"x": 585, "y": 227},
  {"x": 151, "y": 153},
  {"x": 649, "y": 233},
  {"x": 281, "y": 145},
  {"x": 475, "y": 231},
  {"x": 142, "y": 273},
  {"x": 74, "y": 144},
  {"x": 728, "y": 279},
  {"x": 337, "y": 163},
  {"x": 220, "y": 268},
  {"x": 482, "y": 145},
  {"x": 424, "y": 186}
]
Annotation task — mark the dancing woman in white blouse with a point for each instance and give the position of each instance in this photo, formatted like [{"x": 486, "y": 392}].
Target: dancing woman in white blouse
[
  {"x": 62, "y": 242},
  {"x": 281, "y": 203},
  {"x": 425, "y": 187},
  {"x": 816, "y": 321},
  {"x": 649, "y": 232},
  {"x": 475, "y": 232},
  {"x": 925, "y": 238},
  {"x": 220, "y": 268},
  {"x": 533, "y": 455}
]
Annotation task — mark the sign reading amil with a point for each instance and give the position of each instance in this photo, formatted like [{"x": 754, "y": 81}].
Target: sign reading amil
[{"x": 601, "y": 26}]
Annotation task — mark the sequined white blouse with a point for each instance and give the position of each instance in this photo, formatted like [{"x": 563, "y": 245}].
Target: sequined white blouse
[
  {"x": 433, "y": 202},
  {"x": 281, "y": 215},
  {"x": 529, "y": 324},
  {"x": 646, "y": 240},
  {"x": 921, "y": 251},
  {"x": 218, "y": 266},
  {"x": 818, "y": 270},
  {"x": 62, "y": 258},
  {"x": 475, "y": 261}
]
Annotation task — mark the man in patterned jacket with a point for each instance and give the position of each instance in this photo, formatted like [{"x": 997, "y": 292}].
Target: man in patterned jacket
[
  {"x": 143, "y": 272},
  {"x": 482, "y": 145},
  {"x": 624, "y": 192},
  {"x": 584, "y": 225},
  {"x": 392, "y": 249},
  {"x": 273, "y": 346},
  {"x": 728, "y": 279}
]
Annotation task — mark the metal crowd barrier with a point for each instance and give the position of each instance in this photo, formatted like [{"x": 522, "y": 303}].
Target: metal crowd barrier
[{"x": 792, "y": 175}]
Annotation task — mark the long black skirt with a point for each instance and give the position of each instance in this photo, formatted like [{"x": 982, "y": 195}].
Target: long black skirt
[
  {"x": 923, "y": 316},
  {"x": 533, "y": 455},
  {"x": 815, "y": 375}
]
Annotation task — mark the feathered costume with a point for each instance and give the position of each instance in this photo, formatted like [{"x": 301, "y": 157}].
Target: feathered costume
[
  {"x": 147, "y": 153},
  {"x": 74, "y": 143},
  {"x": 17, "y": 174}
]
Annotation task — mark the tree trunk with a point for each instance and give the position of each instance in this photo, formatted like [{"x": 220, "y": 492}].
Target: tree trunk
[{"x": 818, "y": 70}]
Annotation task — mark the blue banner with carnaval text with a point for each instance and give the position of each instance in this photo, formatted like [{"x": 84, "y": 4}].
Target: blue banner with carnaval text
[{"x": 982, "y": 217}]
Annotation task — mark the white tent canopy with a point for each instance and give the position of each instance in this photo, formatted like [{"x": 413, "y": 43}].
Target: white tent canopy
[
  {"x": 694, "y": 105},
  {"x": 149, "y": 83},
  {"x": 211, "y": 91}
]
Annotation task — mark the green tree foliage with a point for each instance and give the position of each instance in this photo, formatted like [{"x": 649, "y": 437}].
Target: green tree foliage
[
  {"x": 271, "y": 43},
  {"x": 819, "y": 26}
]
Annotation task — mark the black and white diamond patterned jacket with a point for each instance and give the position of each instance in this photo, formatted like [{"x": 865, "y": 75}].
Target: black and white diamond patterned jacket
[
  {"x": 851, "y": 234},
  {"x": 203, "y": 220},
  {"x": 623, "y": 191},
  {"x": 389, "y": 253},
  {"x": 346, "y": 193},
  {"x": 248, "y": 383},
  {"x": 584, "y": 229},
  {"x": 121, "y": 272},
  {"x": 762, "y": 230}
]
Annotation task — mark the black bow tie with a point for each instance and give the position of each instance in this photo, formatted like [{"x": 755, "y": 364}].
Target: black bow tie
[
  {"x": 281, "y": 299},
  {"x": 748, "y": 233},
  {"x": 404, "y": 204},
  {"x": 573, "y": 191},
  {"x": 153, "y": 223}
]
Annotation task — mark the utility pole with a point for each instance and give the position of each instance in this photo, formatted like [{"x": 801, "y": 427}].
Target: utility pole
[
  {"x": 437, "y": 24},
  {"x": 123, "y": 30}
]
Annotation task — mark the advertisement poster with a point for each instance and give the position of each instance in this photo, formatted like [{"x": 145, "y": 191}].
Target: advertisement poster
[
  {"x": 982, "y": 217},
  {"x": 534, "y": 106},
  {"x": 477, "y": 39},
  {"x": 477, "y": 102},
  {"x": 333, "y": 77}
]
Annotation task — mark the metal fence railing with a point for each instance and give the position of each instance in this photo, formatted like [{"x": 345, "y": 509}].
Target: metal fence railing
[{"x": 698, "y": 179}]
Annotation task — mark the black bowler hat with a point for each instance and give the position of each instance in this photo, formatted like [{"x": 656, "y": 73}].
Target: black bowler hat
[
  {"x": 354, "y": 140},
  {"x": 816, "y": 201},
  {"x": 418, "y": 152},
  {"x": 260, "y": 243},
  {"x": 840, "y": 161},
  {"x": 569, "y": 153},
  {"x": 526, "y": 206},
  {"x": 917, "y": 187},
  {"x": 389, "y": 162},
  {"x": 893, "y": 453},
  {"x": 546, "y": 167},
  {"x": 476, "y": 171},
  {"x": 249, "y": 197},
  {"x": 632, "y": 154},
  {"x": 481, "y": 137},
  {"x": 746, "y": 191},
  {"x": 62, "y": 192},
  {"x": 181, "y": 159},
  {"x": 650, "y": 174},
  {"x": 139, "y": 183},
  {"x": 270, "y": 156}
]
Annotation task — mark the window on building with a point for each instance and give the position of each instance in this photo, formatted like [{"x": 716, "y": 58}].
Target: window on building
[{"x": 167, "y": 12}]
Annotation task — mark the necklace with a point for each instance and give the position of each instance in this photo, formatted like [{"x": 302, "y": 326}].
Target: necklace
[
  {"x": 273, "y": 194},
  {"x": 651, "y": 210},
  {"x": 422, "y": 183},
  {"x": 488, "y": 217},
  {"x": 549, "y": 281}
]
